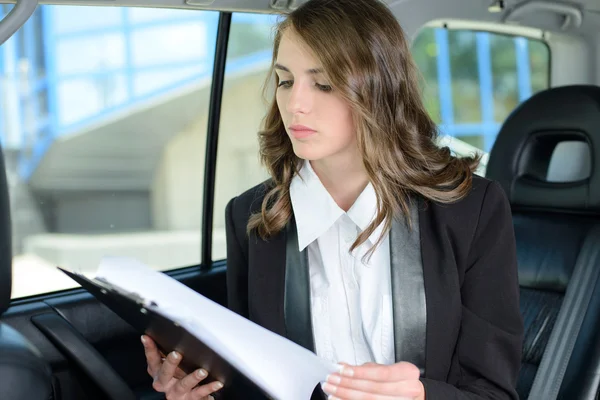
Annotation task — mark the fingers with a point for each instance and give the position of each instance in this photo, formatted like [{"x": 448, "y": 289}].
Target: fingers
[
  {"x": 188, "y": 385},
  {"x": 205, "y": 390},
  {"x": 382, "y": 373},
  {"x": 350, "y": 394},
  {"x": 153, "y": 357},
  {"x": 166, "y": 373},
  {"x": 170, "y": 379},
  {"x": 372, "y": 381},
  {"x": 188, "y": 382},
  {"x": 406, "y": 389}
]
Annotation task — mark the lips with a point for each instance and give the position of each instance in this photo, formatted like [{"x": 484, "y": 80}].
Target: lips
[{"x": 301, "y": 131}]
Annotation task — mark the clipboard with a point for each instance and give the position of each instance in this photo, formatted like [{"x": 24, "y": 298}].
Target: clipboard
[{"x": 167, "y": 334}]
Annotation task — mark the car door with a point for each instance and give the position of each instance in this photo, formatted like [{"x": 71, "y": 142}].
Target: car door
[{"x": 112, "y": 150}]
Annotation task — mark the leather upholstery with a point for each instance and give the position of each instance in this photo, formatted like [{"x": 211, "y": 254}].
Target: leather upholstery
[
  {"x": 551, "y": 220},
  {"x": 521, "y": 155},
  {"x": 23, "y": 373},
  {"x": 5, "y": 241}
]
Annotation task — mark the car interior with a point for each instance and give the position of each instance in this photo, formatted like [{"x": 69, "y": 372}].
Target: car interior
[{"x": 127, "y": 125}]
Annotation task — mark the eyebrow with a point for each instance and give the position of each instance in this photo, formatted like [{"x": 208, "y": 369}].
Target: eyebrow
[{"x": 312, "y": 71}]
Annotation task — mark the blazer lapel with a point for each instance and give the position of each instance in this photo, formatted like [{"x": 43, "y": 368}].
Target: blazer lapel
[
  {"x": 408, "y": 290},
  {"x": 294, "y": 320},
  {"x": 266, "y": 282},
  {"x": 298, "y": 322}
]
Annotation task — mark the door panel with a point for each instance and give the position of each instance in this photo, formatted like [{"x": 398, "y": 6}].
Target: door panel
[{"x": 117, "y": 342}]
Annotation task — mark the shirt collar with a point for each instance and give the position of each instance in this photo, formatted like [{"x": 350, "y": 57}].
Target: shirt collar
[
  {"x": 364, "y": 211},
  {"x": 316, "y": 211}
]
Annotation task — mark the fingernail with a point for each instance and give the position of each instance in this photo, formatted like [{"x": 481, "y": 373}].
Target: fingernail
[
  {"x": 174, "y": 355},
  {"x": 218, "y": 385},
  {"x": 201, "y": 373},
  {"x": 330, "y": 389},
  {"x": 347, "y": 371},
  {"x": 334, "y": 379},
  {"x": 143, "y": 340}
]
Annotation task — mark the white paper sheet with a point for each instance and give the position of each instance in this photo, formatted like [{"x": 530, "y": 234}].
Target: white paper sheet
[{"x": 279, "y": 366}]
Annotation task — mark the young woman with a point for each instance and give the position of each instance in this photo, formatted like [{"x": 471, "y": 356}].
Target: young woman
[{"x": 369, "y": 245}]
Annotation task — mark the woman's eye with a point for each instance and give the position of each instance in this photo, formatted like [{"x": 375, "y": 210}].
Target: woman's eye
[
  {"x": 285, "y": 84},
  {"x": 324, "y": 88}
]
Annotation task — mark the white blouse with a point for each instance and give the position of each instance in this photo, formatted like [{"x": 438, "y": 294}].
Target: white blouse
[{"x": 351, "y": 303}]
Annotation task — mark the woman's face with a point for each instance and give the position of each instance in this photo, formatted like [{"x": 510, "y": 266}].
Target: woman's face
[{"x": 317, "y": 120}]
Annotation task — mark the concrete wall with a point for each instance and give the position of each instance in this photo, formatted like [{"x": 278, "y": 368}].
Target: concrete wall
[
  {"x": 177, "y": 187},
  {"x": 176, "y": 191}
]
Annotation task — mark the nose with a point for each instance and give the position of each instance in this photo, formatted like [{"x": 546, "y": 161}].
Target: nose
[{"x": 300, "y": 99}]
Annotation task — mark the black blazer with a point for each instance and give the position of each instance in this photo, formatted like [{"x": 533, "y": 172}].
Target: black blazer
[{"x": 456, "y": 294}]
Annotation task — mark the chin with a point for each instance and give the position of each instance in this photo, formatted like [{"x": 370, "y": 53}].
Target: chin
[{"x": 308, "y": 152}]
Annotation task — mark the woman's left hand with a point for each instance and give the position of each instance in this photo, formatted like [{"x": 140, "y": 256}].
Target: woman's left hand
[{"x": 372, "y": 381}]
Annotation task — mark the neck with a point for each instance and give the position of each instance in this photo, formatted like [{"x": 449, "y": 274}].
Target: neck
[{"x": 344, "y": 179}]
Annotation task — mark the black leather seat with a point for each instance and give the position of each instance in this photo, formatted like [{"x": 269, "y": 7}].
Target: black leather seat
[
  {"x": 552, "y": 218},
  {"x": 24, "y": 375}
]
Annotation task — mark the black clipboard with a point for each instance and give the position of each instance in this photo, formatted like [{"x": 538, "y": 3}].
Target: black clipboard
[{"x": 167, "y": 334}]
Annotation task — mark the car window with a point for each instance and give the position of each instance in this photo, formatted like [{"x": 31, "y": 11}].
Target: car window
[
  {"x": 473, "y": 80},
  {"x": 104, "y": 115}
]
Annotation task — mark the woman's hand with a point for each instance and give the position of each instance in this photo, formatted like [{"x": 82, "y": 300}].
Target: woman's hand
[
  {"x": 372, "y": 381},
  {"x": 171, "y": 380}
]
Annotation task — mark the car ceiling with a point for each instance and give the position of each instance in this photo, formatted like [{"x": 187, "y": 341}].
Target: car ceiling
[{"x": 411, "y": 13}]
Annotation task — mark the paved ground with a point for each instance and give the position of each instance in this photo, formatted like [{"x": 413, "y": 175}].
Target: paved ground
[{"x": 35, "y": 271}]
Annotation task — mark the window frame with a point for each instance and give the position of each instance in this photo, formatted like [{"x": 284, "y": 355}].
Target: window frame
[{"x": 212, "y": 138}]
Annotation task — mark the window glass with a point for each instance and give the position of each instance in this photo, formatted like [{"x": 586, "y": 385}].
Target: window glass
[
  {"x": 104, "y": 127},
  {"x": 249, "y": 56},
  {"x": 473, "y": 80},
  {"x": 73, "y": 19},
  {"x": 166, "y": 15},
  {"x": 155, "y": 45},
  {"x": 106, "y": 52}
]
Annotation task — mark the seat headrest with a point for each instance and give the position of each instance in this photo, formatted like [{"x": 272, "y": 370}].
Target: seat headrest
[
  {"x": 5, "y": 240},
  {"x": 531, "y": 159}
]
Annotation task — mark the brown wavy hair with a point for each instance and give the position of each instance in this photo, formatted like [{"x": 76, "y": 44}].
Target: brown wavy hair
[{"x": 367, "y": 60}]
